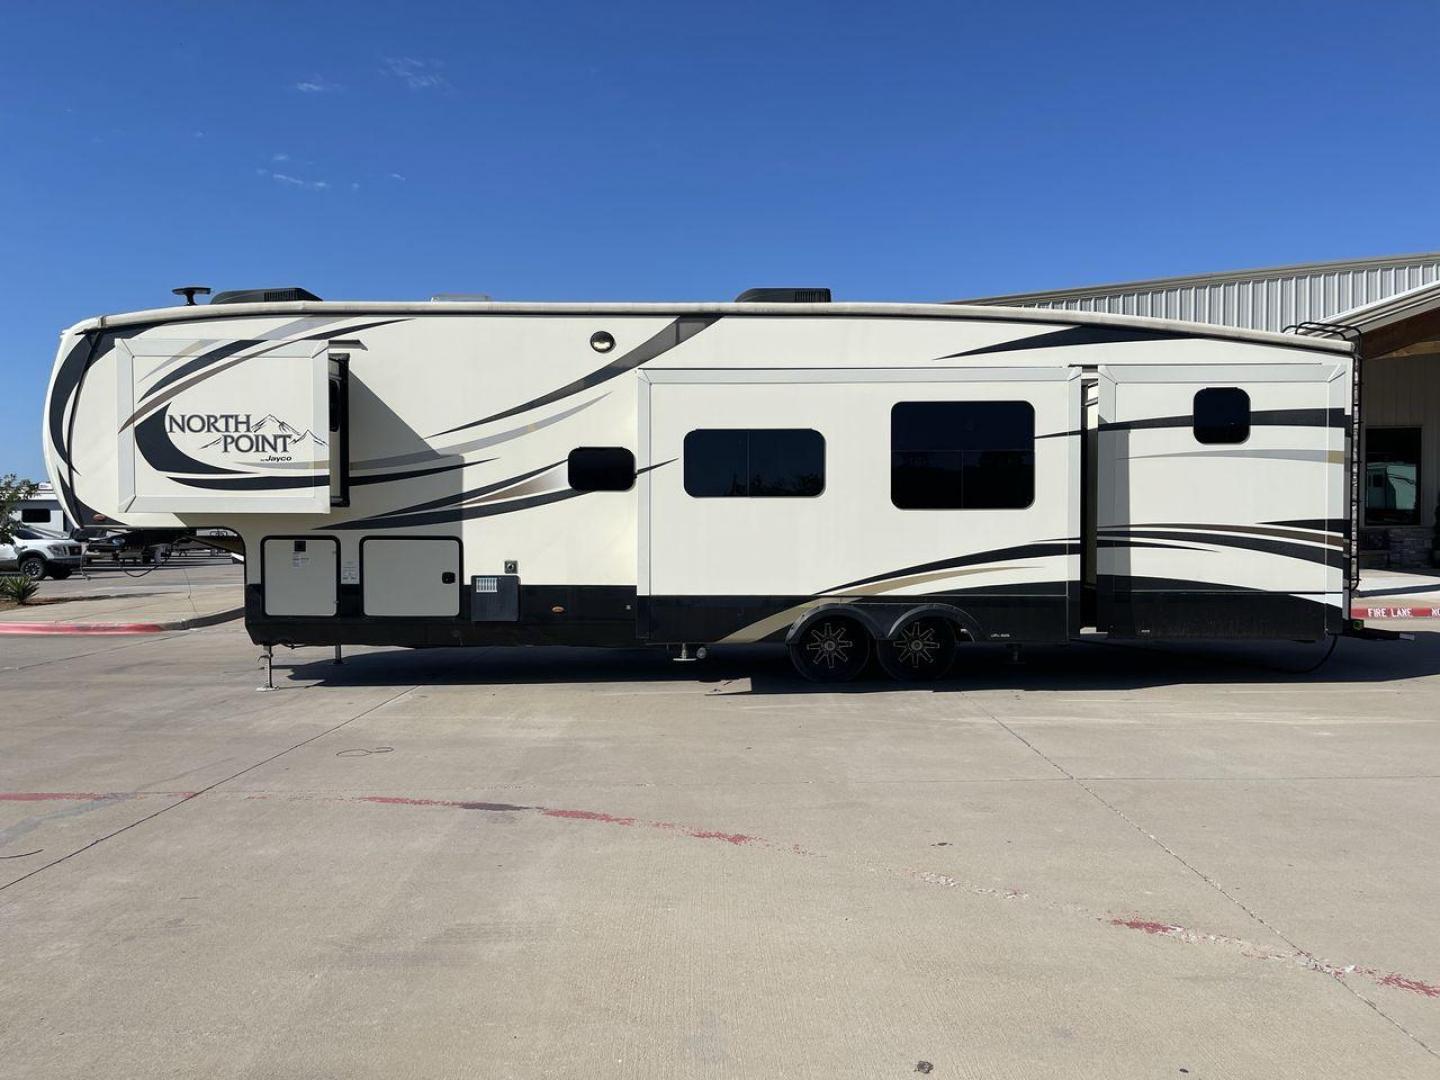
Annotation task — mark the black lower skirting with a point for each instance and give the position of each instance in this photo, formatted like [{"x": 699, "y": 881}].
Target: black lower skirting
[
  {"x": 1160, "y": 609},
  {"x": 613, "y": 616},
  {"x": 602, "y": 615}
]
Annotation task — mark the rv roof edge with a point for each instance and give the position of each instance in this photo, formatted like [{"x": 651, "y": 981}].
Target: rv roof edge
[{"x": 832, "y": 310}]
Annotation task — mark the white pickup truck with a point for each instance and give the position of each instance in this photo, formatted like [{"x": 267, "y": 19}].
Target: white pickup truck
[{"x": 38, "y": 554}]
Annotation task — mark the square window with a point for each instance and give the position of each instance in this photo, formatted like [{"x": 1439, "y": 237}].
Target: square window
[
  {"x": 601, "y": 468},
  {"x": 1222, "y": 415}
]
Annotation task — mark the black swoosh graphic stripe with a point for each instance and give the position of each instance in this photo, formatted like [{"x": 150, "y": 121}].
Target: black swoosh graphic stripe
[
  {"x": 1024, "y": 551},
  {"x": 256, "y": 483},
  {"x": 461, "y": 513},
  {"x": 1328, "y": 556},
  {"x": 679, "y": 331},
  {"x": 1249, "y": 530},
  {"x": 1326, "y": 418},
  {"x": 400, "y": 519},
  {"x": 205, "y": 359},
  {"x": 1329, "y": 525},
  {"x": 155, "y": 447},
  {"x": 323, "y": 335},
  {"x": 67, "y": 379},
  {"x": 383, "y": 478},
  {"x": 461, "y": 496},
  {"x": 1074, "y": 335}
]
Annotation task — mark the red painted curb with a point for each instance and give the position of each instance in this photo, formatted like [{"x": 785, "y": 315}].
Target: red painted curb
[
  {"x": 1359, "y": 612},
  {"x": 80, "y": 628}
]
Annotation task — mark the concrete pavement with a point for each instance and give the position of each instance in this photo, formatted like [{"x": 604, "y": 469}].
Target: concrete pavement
[
  {"x": 182, "y": 593},
  {"x": 568, "y": 863}
]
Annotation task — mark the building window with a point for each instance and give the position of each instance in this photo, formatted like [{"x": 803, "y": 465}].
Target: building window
[
  {"x": 1392, "y": 476},
  {"x": 33, "y": 516},
  {"x": 962, "y": 455},
  {"x": 601, "y": 468},
  {"x": 754, "y": 463},
  {"x": 1222, "y": 415}
]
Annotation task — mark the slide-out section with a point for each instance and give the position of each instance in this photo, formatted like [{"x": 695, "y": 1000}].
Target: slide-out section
[
  {"x": 777, "y": 490},
  {"x": 1221, "y": 508}
]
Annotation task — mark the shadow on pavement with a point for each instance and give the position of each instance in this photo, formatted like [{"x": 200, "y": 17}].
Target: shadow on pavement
[{"x": 1083, "y": 666}]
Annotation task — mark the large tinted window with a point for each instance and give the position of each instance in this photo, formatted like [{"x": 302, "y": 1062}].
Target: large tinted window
[
  {"x": 1222, "y": 415},
  {"x": 32, "y": 516},
  {"x": 754, "y": 462},
  {"x": 962, "y": 455}
]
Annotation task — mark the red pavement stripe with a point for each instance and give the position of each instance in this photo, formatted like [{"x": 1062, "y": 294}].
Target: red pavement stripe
[
  {"x": 80, "y": 628},
  {"x": 1361, "y": 612}
]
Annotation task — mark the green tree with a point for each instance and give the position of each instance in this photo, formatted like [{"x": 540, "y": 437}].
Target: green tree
[{"x": 13, "y": 491}]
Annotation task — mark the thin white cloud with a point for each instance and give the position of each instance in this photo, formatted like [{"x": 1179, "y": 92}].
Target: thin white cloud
[
  {"x": 295, "y": 181},
  {"x": 354, "y": 185},
  {"x": 279, "y": 157},
  {"x": 416, "y": 73},
  {"x": 396, "y": 176},
  {"x": 317, "y": 84}
]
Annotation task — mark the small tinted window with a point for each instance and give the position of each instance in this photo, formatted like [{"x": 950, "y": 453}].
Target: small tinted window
[
  {"x": 1222, "y": 415},
  {"x": 34, "y": 516},
  {"x": 601, "y": 468},
  {"x": 962, "y": 455},
  {"x": 754, "y": 463}
]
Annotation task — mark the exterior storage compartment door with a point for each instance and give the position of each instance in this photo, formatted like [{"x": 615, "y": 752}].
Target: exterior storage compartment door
[
  {"x": 1222, "y": 500},
  {"x": 410, "y": 576},
  {"x": 300, "y": 575},
  {"x": 229, "y": 427}
]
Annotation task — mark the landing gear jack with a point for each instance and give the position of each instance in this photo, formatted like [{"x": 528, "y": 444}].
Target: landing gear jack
[{"x": 268, "y": 659}]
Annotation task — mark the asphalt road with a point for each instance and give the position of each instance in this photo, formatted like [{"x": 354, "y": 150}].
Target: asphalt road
[{"x": 1107, "y": 862}]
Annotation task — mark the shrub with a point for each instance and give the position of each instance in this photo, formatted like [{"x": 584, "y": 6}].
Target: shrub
[{"x": 20, "y": 588}]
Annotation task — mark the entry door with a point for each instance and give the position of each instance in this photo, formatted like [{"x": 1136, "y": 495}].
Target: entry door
[
  {"x": 410, "y": 576},
  {"x": 1221, "y": 498}
]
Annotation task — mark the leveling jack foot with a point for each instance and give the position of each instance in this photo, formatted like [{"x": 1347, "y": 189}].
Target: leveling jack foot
[
  {"x": 268, "y": 659},
  {"x": 338, "y": 658}
]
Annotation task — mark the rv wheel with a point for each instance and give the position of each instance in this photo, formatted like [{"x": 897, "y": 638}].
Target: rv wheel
[
  {"x": 924, "y": 648},
  {"x": 833, "y": 649}
]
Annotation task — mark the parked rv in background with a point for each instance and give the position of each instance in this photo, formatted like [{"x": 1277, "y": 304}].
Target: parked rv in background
[
  {"x": 44, "y": 511},
  {"x": 849, "y": 479}
]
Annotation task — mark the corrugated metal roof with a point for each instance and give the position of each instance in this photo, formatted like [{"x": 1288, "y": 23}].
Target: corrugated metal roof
[{"x": 1250, "y": 299}]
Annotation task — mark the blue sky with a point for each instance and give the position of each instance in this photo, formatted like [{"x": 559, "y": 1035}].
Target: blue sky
[{"x": 673, "y": 151}]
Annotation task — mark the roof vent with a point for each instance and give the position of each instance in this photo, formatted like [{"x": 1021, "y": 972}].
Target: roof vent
[
  {"x": 262, "y": 296},
  {"x": 784, "y": 296}
]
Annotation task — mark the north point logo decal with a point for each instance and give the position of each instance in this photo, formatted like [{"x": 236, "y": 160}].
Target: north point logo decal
[{"x": 242, "y": 433}]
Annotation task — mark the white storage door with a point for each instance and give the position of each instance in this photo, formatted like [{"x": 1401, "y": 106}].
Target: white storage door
[
  {"x": 300, "y": 575},
  {"x": 410, "y": 576}
]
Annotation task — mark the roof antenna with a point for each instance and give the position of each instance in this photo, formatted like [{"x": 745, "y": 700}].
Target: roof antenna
[{"x": 190, "y": 291}]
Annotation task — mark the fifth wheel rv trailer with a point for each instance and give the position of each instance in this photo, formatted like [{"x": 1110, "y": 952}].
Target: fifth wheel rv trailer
[{"x": 849, "y": 479}]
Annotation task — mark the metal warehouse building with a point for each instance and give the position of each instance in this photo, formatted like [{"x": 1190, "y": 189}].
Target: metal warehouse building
[{"x": 1390, "y": 307}]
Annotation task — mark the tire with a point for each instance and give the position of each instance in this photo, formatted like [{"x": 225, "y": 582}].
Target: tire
[
  {"x": 33, "y": 567},
  {"x": 921, "y": 650},
  {"x": 61, "y": 573},
  {"x": 831, "y": 649}
]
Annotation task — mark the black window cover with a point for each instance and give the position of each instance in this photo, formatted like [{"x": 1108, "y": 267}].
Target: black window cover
[
  {"x": 754, "y": 463},
  {"x": 1222, "y": 415},
  {"x": 32, "y": 516},
  {"x": 962, "y": 455},
  {"x": 601, "y": 468}
]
